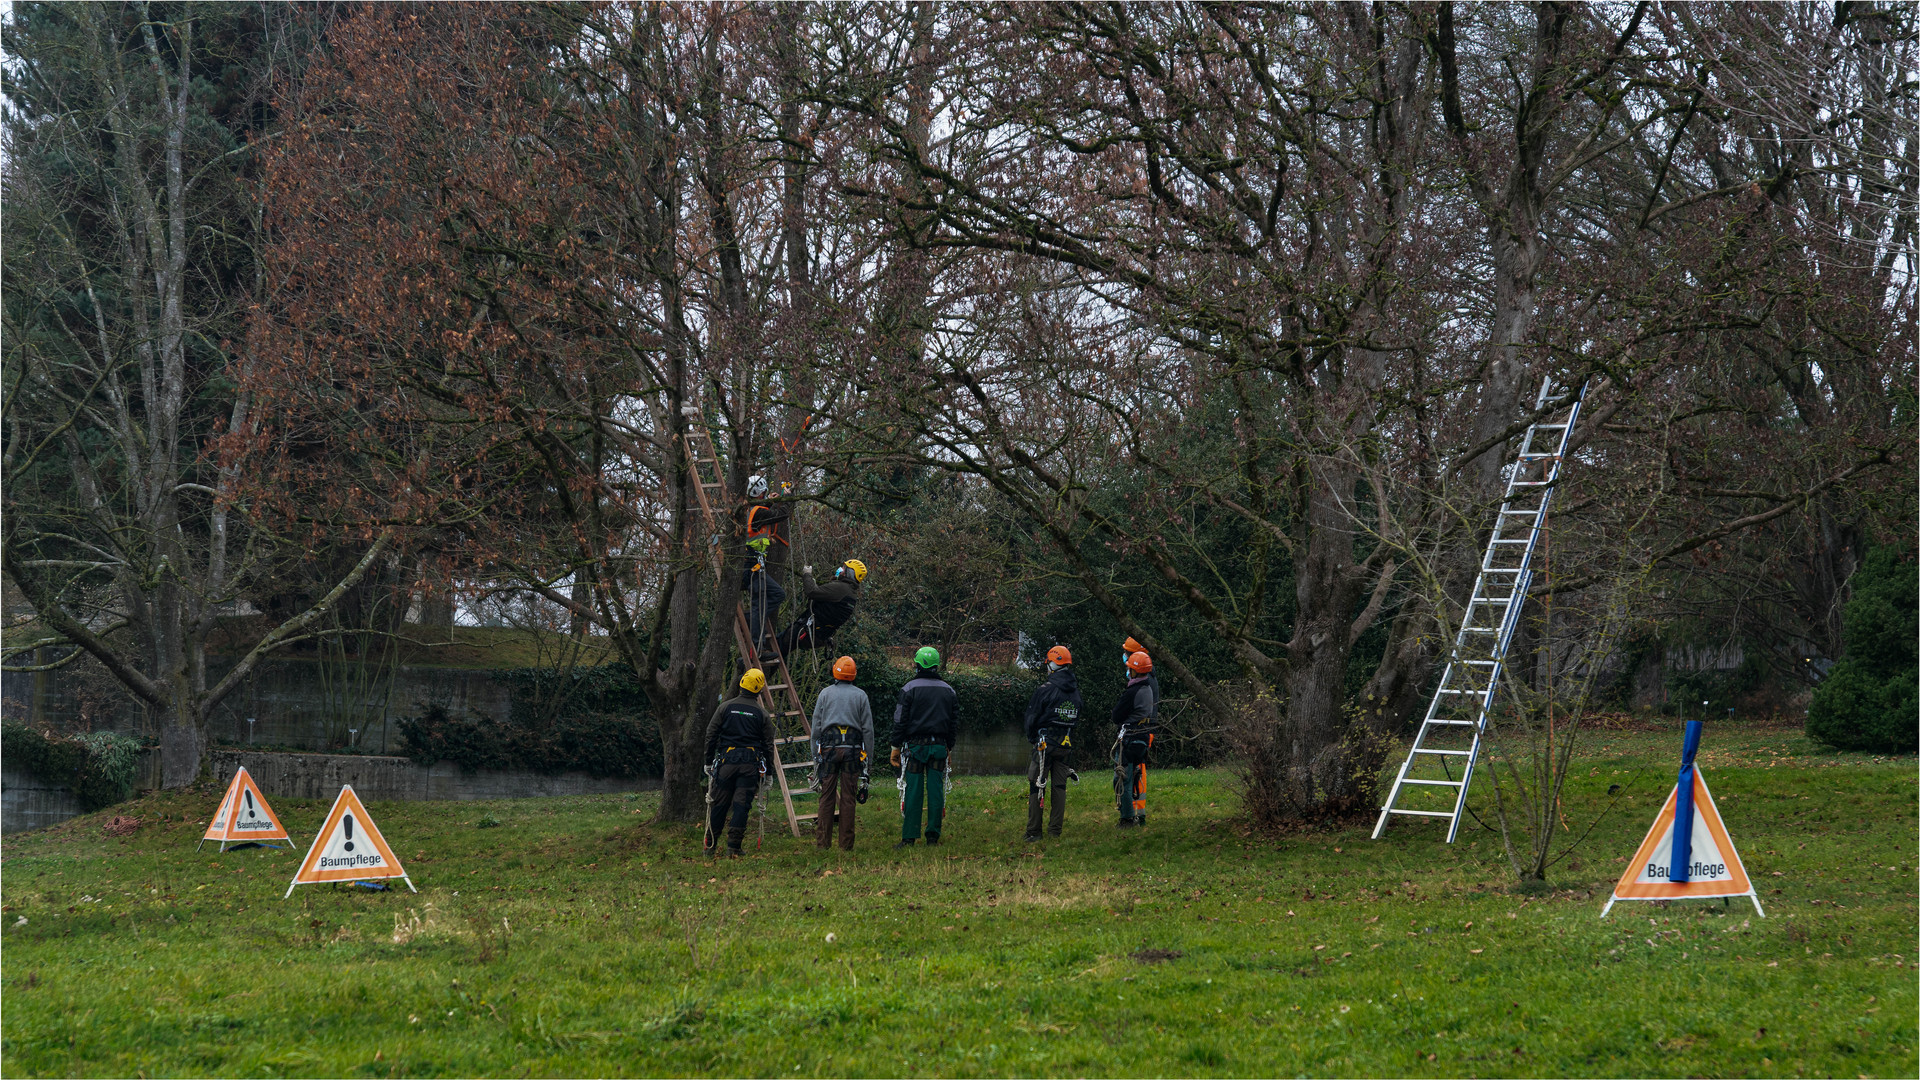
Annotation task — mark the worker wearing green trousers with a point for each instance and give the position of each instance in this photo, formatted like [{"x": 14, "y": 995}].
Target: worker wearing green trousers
[
  {"x": 924, "y": 724},
  {"x": 926, "y": 779}
]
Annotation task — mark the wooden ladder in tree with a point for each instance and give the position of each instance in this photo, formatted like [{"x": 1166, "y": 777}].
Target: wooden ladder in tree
[{"x": 790, "y": 724}]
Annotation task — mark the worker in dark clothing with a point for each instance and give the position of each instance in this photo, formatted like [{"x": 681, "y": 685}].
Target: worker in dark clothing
[
  {"x": 739, "y": 739},
  {"x": 842, "y": 751},
  {"x": 924, "y": 725},
  {"x": 1052, "y": 713},
  {"x": 767, "y": 568},
  {"x": 1135, "y": 715},
  {"x": 828, "y": 608},
  {"x": 1153, "y": 679}
]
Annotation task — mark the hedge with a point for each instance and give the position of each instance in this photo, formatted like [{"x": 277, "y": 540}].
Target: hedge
[
  {"x": 1870, "y": 698},
  {"x": 603, "y": 728},
  {"x": 101, "y": 767}
]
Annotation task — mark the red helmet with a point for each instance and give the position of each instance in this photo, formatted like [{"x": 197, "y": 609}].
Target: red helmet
[
  {"x": 1059, "y": 655},
  {"x": 845, "y": 669},
  {"x": 1140, "y": 663},
  {"x": 1132, "y": 646}
]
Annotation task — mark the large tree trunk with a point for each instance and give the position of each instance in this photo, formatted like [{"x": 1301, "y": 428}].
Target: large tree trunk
[{"x": 182, "y": 745}]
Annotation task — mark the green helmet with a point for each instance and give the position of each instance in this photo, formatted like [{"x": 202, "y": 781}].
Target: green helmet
[{"x": 927, "y": 657}]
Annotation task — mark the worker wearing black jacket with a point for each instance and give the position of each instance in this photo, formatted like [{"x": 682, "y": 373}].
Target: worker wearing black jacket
[
  {"x": 1135, "y": 714},
  {"x": 1052, "y": 713},
  {"x": 828, "y": 607},
  {"x": 924, "y": 725},
  {"x": 739, "y": 740}
]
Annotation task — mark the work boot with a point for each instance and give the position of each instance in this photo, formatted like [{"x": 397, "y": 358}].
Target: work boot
[
  {"x": 932, "y": 839},
  {"x": 710, "y": 851},
  {"x": 1142, "y": 819},
  {"x": 1033, "y": 838},
  {"x": 901, "y": 844},
  {"x": 1055, "y": 833},
  {"x": 1125, "y": 823},
  {"x": 734, "y": 852}
]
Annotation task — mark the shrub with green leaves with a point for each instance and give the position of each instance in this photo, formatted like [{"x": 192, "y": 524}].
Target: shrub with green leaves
[
  {"x": 1871, "y": 699},
  {"x": 101, "y": 767}
]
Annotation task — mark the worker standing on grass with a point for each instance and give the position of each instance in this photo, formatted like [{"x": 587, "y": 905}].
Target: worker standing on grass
[
  {"x": 739, "y": 738},
  {"x": 842, "y": 752},
  {"x": 828, "y": 607},
  {"x": 924, "y": 724},
  {"x": 1135, "y": 715},
  {"x": 1052, "y": 713},
  {"x": 1153, "y": 680},
  {"x": 767, "y": 540}
]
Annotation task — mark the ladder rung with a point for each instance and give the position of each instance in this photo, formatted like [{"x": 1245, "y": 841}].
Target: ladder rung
[
  {"x": 1419, "y": 813},
  {"x": 1453, "y": 723},
  {"x": 1433, "y": 783},
  {"x": 1491, "y": 600},
  {"x": 1549, "y": 427},
  {"x": 1497, "y": 541},
  {"x": 1529, "y": 483},
  {"x": 792, "y": 712},
  {"x": 1448, "y": 753},
  {"x": 1519, "y": 513},
  {"x": 804, "y": 817},
  {"x": 792, "y": 739},
  {"x": 797, "y": 765}
]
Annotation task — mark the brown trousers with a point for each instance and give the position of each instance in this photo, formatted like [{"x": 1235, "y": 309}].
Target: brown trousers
[{"x": 839, "y": 783}]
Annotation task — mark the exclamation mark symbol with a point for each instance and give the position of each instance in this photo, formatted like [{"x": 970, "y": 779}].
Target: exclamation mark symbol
[
  {"x": 248, "y": 795},
  {"x": 348, "y": 822}
]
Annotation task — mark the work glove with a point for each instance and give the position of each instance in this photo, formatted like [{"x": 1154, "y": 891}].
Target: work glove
[
  {"x": 1073, "y": 776},
  {"x": 894, "y": 758},
  {"x": 807, "y": 570}
]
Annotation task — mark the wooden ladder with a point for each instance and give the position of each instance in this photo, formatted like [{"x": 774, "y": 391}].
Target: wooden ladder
[{"x": 790, "y": 723}]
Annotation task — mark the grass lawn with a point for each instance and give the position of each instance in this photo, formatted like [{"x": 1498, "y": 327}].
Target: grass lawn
[{"x": 577, "y": 940}]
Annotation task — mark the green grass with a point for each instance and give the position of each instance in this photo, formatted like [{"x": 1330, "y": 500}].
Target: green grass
[{"x": 576, "y": 940}]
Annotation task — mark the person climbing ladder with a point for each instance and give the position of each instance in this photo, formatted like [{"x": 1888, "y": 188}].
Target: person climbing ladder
[{"x": 828, "y": 608}]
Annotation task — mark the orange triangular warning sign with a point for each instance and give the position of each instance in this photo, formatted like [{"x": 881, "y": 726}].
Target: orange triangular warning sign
[
  {"x": 349, "y": 848},
  {"x": 1714, "y": 865},
  {"x": 244, "y": 815}
]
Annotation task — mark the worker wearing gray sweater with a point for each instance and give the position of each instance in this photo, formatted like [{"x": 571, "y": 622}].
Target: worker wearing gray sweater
[{"x": 842, "y": 753}]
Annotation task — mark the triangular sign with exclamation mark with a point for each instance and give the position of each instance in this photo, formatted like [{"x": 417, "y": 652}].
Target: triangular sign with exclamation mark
[
  {"x": 244, "y": 815},
  {"x": 349, "y": 848}
]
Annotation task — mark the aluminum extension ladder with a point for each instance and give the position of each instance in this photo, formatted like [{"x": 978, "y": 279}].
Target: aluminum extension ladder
[
  {"x": 701, "y": 458},
  {"x": 1456, "y": 719}
]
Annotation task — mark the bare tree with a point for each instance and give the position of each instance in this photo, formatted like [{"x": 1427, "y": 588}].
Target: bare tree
[{"x": 123, "y": 277}]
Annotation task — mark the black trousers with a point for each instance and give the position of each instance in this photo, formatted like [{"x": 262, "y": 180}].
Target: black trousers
[
  {"x": 805, "y": 633},
  {"x": 1059, "y": 761},
  {"x": 734, "y": 786}
]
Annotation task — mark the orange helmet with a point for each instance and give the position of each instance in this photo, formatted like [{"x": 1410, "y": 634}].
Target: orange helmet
[
  {"x": 1140, "y": 663},
  {"x": 845, "y": 669},
  {"x": 1059, "y": 655},
  {"x": 1132, "y": 646}
]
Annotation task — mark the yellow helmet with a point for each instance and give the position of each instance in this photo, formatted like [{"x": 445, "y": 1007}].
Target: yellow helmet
[
  {"x": 859, "y": 569},
  {"x": 753, "y": 681}
]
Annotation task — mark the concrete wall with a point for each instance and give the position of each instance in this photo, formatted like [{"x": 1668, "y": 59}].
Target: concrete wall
[
  {"x": 289, "y": 698},
  {"x": 28, "y": 802}
]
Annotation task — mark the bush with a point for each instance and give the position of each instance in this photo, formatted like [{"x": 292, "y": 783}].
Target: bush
[
  {"x": 1871, "y": 699},
  {"x": 591, "y": 720},
  {"x": 101, "y": 768}
]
